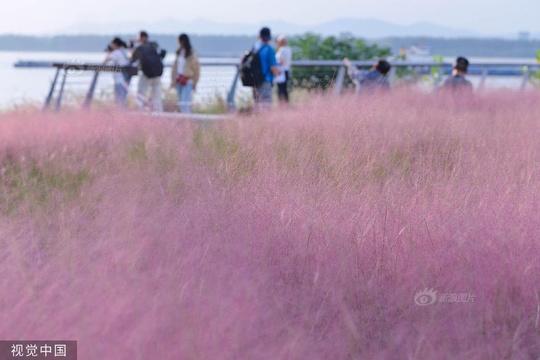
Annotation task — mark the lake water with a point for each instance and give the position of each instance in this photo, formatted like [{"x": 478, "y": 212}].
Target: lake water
[{"x": 31, "y": 85}]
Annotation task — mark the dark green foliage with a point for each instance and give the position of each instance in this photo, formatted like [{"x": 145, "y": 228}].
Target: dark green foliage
[{"x": 316, "y": 47}]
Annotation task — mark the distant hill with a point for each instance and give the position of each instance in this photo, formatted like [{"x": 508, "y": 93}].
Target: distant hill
[
  {"x": 209, "y": 46},
  {"x": 367, "y": 28},
  {"x": 373, "y": 28}
]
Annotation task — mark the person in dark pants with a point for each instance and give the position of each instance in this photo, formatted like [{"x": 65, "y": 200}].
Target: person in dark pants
[{"x": 284, "y": 60}]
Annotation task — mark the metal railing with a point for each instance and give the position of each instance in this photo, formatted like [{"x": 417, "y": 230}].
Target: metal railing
[
  {"x": 63, "y": 69},
  {"x": 485, "y": 69}
]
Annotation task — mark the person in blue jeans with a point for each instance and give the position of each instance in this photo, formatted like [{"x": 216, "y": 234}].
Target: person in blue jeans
[
  {"x": 185, "y": 73},
  {"x": 262, "y": 94},
  {"x": 119, "y": 56}
]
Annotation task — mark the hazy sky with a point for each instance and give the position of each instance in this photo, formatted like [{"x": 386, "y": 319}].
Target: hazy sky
[{"x": 485, "y": 16}]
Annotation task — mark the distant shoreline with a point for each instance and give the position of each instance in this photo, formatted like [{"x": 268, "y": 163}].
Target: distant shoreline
[{"x": 221, "y": 46}]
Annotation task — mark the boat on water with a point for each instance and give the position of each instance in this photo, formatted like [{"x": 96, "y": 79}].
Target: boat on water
[{"x": 418, "y": 53}]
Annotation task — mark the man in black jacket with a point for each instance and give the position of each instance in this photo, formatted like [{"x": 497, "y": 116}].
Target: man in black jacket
[{"x": 151, "y": 66}]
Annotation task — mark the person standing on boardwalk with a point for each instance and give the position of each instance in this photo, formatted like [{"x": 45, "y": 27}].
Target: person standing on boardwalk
[
  {"x": 457, "y": 83},
  {"x": 185, "y": 73},
  {"x": 284, "y": 59},
  {"x": 262, "y": 92},
  {"x": 119, "y": 56},
  {"x": 151, "y": 65}
]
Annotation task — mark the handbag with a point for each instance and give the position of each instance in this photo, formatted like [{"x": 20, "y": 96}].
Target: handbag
[
  {"x": 182, "y": 80},
  {"x": 131, "y": 70},
  {"x": 128, "y": 72}
]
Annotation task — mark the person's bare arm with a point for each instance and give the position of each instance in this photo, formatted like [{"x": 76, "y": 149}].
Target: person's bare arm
[
  {"x": 134, "y": 55},
  {"x": 275, "y": 70},
  {"x": 351, "y": 70}
]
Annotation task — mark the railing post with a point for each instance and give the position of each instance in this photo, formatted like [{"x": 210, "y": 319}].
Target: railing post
[
  {"x": 440, "y": 75},
  {"x": 91, "y": 90},
  {"x": 485, "y": 71},
  {"x": 232, "y": 91},
  {"x": 526, "y": 76},
  {"x": 51, "y": 90},
  {"x": 61, "y": 93},
  {"x": 340, "y": 80},
  {"x": 392, "y": 75}
]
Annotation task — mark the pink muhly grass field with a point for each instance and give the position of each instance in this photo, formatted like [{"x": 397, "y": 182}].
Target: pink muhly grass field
[{"x": 302, "y": 234}]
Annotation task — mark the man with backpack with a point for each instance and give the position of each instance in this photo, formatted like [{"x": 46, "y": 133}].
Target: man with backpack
[
  {"x": 258, "y": 69},
  {"x": 151, "y": 65}
]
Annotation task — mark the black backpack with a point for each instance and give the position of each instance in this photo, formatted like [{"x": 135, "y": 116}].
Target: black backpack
[
  {"x": 151, "y": 64},
  {"x": 251, "y": 72}
]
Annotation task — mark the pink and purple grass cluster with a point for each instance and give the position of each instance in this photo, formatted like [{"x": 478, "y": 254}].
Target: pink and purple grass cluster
[{"x": 301, "y": 234}]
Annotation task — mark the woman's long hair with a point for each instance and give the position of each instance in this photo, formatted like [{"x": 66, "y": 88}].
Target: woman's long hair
[
  {"x": 185, "y": 45},
  {"x": 120, "y": 43}
]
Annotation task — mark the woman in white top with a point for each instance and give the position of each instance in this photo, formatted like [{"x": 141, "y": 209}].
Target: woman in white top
[
  {"x": 119, "y": 56},
  {"x": 284, "y": 59},
  {"x": 185, "y": 73}
]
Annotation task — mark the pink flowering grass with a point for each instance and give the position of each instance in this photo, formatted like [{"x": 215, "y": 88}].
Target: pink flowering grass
[{"x": 302, "y": 234}]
